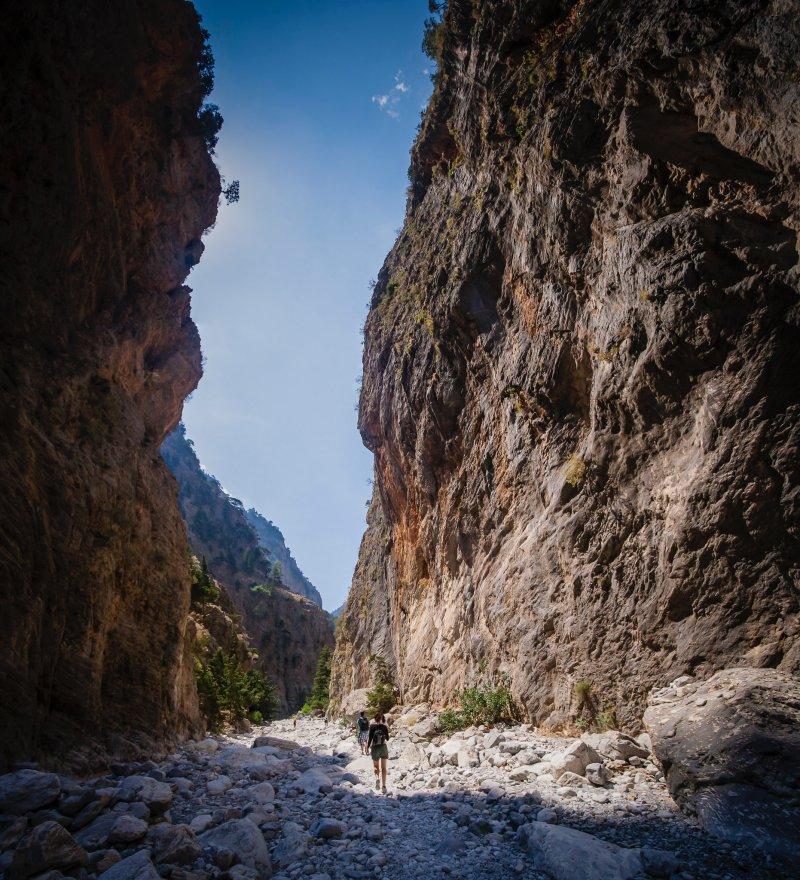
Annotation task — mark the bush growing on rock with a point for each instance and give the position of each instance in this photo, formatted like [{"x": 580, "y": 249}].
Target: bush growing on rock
[
  {"x": 479, "y": 705},
  {"x": 384, "y": 693}
]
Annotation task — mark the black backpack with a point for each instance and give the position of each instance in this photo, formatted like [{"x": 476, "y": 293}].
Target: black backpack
[
  {"x": 378, "y": 735},
  {"x": 363, "y": 724}
]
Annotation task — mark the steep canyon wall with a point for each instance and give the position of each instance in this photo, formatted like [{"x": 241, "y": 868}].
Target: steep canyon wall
[
  {"x": 581, "y": 359},
  {"x": 107, "y": 186}
]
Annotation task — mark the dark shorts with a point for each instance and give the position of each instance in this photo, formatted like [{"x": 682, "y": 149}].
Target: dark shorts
[{"x": 379, "y": 752}]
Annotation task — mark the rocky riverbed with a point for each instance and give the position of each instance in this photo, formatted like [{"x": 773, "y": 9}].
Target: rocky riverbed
[{"x": 294, "y": 800}]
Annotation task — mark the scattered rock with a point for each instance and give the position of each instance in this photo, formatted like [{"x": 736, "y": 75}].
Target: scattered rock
[{"x": 157, "y": 796}]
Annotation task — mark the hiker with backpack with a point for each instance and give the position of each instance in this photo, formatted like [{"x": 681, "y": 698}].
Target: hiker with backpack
[
  {"x": 379, "y": 751},
  {"x": 362, "y": 724}
]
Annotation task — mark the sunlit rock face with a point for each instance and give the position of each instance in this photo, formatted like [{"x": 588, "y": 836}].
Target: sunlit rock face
[
  {"x": 581, "y": 361},
  {"x": 107, "y": 187},
  {"x": 287, "y": 629}
]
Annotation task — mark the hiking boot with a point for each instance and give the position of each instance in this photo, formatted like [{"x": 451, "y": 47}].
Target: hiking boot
[
  {"x": 377, "y": 783},
  {"x": 383, "y": 789}
]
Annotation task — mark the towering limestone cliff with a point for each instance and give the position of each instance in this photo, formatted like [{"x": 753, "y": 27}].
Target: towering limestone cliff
[
  {"x": 107, "y": 187},
  {"x": 270, "y": 538},
  {"x": 286, "y": 629},
  {"x": 581, "y": 359}
]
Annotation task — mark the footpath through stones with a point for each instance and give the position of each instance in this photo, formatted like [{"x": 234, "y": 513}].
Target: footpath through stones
[{"x": 297, "y": 801}]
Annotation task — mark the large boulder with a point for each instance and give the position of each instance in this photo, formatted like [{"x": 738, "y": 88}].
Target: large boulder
[
  {"x": 314, "y": 780},
  {"x": 48, "y": 846},
  {"x": 275, "y": 742},
  {"x": 354, "y": 702},
  {"x": 615, "y": 746},
  {"x": 730, "y": 749},
  {"x": 242, "y": 838},
  {"x": 567, "y": 854},
  {"x": 27, "y": 790},
  {"x": 135, "y": 867}
]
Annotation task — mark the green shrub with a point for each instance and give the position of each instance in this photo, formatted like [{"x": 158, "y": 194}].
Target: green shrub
[
  {"x": 607, "y": 720},
  {"x": 228, "y": 692},
  {"x": 384, "y": 693},
  {"x": 320, "y": 689},
  {"x": 204, "y": 587},
  {"x": 262, "y": 590},
  {"x": 582, "y": 689},
  {"x": 479, "y": 705},
  {"x": 450, "y": 721}
]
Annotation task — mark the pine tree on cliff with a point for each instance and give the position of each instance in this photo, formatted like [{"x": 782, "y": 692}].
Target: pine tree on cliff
[{"x": 320, "y": 690}]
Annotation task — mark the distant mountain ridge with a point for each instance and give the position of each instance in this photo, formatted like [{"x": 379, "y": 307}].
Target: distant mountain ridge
[
  {"x": 287, "y": 629},
  {"x": 271, "y": 539}
]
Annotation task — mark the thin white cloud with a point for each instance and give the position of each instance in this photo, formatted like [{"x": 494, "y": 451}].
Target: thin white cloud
[{"x": 389, "y": 101}]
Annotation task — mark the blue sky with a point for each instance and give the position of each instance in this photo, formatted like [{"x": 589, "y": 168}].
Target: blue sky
[{"x": 321, "y": 101}]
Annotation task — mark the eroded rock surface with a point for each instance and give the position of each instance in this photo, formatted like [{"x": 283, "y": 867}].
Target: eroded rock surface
[
  {"x": 107, "y": 188},
  {"x": 730, "y": 748},
  {"x": 580, "y": 360}
]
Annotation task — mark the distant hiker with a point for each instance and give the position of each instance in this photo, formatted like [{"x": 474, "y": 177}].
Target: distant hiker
[
  {"x": 362, "y": 723},
  {"x": 378, "y": 737}
]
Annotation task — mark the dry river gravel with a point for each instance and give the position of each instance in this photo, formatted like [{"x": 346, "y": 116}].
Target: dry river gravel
[{"x": 499, "y": 803}]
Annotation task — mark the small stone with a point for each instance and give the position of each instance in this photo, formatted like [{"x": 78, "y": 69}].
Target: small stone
[
  {"x": 201, "y": 823},
  {"x": 126, "y": 829},
  {"x": 102, "y": 860},
  {"x": 547, "y": 815},
  {"x": 219, "y": 785},
  {"x": 325, "y": 829}
]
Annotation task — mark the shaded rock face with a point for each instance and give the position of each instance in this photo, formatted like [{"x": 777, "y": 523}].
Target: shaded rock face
[
  {"x": 270, "y": 537},
  {"x": 107, "y": 188},
  {"x": 730, "y": 748},
  {"x": 580, "y": 360},
  {"x": 287, "y": 630}
]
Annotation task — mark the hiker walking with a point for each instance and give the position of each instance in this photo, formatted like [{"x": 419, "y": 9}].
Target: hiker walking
[
  {"x": 379, "y": 751},
  {"x": 362, "y": 723}
]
